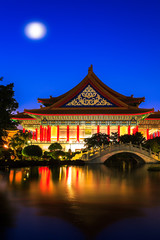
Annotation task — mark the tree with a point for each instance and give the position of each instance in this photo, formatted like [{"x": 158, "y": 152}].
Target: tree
[
  {"x": 7, "y": 105},
  {"x": 153, "y": 144},
  {"x": 56, "y": 150},
  {"x": 96, "y": 140},
  {"x": 136, "y": 138},
  {"x": 55, "y": 146},
  {"x": 32, "y": 151},
  {"x": 19, "y": 140}
]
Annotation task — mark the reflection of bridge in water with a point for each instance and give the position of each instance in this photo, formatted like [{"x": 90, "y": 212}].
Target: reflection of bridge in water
[{"x": 100, "y": 155}]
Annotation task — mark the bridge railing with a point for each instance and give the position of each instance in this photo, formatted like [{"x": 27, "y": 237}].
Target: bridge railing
[{"x": 101, "y": 151}]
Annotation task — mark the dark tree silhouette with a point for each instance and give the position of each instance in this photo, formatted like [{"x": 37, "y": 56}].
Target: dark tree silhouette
[
  {"x": 32, "y": 151},
  {"x": 136, "y": 138},
  {"x": 7, "y": 105},
  {"x": 96, "y": 140}
]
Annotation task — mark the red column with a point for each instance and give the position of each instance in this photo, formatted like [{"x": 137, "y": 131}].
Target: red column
[
  {"x": 129, "y": 130},
  {"x": 108, "y": 130},
  {"x": 23, "y": 130},
  {"x": 67, "y": 133},
  {"x": 158, "y": 133},
  {"x": 151, "y": 136},
  {"x": 118, "y": 130},
  {"x": 155, "y": 134},
  {"x": 40, "y": 132},
  {"x": 137, "y": 128},
  {"x": 148, "y": 137},
  {"x": 44, "y": 137},
  {"x": 78, "y": 133},
  {"x": 57, "y": 133},
  {"x": 98, "y": 129},
  {"x": 49, "y": 133},
  {"x": 36, "y": 134},
  {"x": 33, "y": 135}
]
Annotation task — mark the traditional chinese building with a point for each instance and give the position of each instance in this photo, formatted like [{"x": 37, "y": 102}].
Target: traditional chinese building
[{"x": 90, "y": 107}]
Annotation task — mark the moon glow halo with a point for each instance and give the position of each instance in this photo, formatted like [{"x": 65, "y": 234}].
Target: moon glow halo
[{"x": 35, "y": 30}]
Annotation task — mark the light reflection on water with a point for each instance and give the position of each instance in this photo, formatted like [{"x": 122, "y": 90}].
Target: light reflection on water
[{"x": 79, "y": 202}]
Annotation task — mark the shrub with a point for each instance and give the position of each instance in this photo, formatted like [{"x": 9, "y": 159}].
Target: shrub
[
  {"x": 32, "y": 151},
  {"x": 153, "y": 144},
  {"x": 55, "y": 146}
]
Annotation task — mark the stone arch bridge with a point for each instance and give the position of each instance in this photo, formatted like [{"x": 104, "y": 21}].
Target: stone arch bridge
[{"x": 100, "y": 155}]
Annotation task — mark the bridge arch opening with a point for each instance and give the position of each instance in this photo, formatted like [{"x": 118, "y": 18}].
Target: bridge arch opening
[{"x": 124, "y": 160}]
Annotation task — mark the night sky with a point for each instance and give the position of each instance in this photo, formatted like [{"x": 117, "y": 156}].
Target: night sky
[{"x": 120, "y": 38}]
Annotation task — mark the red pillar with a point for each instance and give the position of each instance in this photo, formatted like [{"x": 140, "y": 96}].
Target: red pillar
[
  {"x": 40, "y": 132},
  {"x": 108, "y": 130},
  {"x": 129, "y": 130},
  {"x": 49, "y": 133},
  {"x": 57, "y": 133},
  {"x": 36, "y": 134},
  {"x": 33, "y": 135},
  {"x": 78, "y": 133},
  {"x": 98, "y": 129},
  {"x": 67, "y": 133},
  {"x": 155, "y": 134},
  {"x": 118, "y": 130},
  {"x": 151, "y": 136},
  {"x": 148, "y": 137},
  {"x": 23, "y": 130},
  {"x": 158, "y": 133},
  {"x": 45, "y": 133}
]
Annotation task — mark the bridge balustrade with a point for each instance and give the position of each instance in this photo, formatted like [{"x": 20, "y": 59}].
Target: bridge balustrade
[{"x": 99, "y": 152}]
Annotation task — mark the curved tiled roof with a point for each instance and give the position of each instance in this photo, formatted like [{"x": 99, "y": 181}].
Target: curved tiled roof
[
  {"x": 154, "y": 116},
  {"x": 93, "y": 78},
  {"x": 122, "y": 104},
  {"x": 22, "y": 116},
  {"x": 86, "y": 111}
]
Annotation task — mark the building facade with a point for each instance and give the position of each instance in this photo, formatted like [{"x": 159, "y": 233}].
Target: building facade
[{"x": 90, "y": 107}]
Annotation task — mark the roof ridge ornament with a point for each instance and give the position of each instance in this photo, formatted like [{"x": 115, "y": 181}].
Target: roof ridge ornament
[{"x": 90, "y": 69}]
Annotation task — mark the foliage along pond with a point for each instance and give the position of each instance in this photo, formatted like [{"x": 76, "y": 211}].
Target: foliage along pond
[{"x": 88, "y": 202}]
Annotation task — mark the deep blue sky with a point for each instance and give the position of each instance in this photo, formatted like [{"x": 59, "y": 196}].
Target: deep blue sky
[{"x": 120, "y": 38}]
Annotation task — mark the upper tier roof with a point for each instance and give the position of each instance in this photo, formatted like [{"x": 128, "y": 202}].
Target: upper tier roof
[
  {"x": 131, "y": 101},
  {"x": 91, "y": 96}
]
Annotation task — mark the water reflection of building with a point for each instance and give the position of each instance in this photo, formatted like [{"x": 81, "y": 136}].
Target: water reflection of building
[
  {"x": 88, "y": 108},
  {"x": 89, "y": 198}
]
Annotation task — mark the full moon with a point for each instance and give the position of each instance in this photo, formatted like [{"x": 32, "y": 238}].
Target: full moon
[{"x": 35, "y": 30}]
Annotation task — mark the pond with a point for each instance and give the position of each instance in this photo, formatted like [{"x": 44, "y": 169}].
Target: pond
[{"x": 89, "y": 202}]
